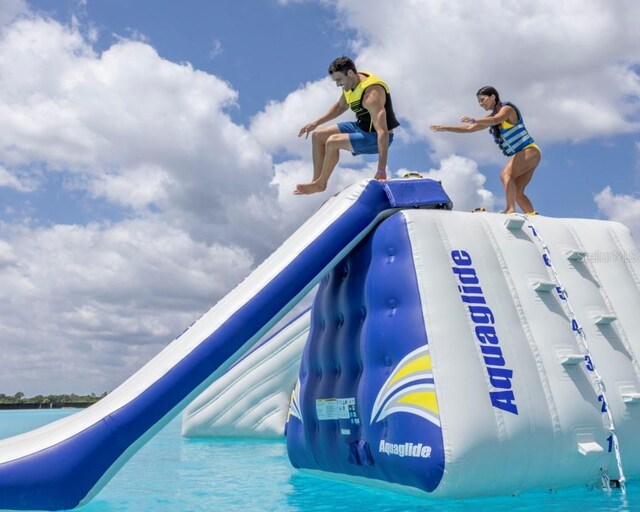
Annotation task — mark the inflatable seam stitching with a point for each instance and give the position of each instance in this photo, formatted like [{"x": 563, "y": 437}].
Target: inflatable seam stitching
[{"x": 621, "y": 331}]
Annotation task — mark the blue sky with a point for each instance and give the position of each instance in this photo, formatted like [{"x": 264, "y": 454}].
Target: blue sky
[{"x": 149, "y": 149}]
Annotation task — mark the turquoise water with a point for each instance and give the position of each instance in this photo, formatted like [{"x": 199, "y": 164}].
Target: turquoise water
[{"x": 172, "y": 474}]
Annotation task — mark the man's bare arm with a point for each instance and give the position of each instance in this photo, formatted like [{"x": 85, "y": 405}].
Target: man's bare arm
[
  {"x": 336, "y": 110},
  {"x": 374, "y": 100}
]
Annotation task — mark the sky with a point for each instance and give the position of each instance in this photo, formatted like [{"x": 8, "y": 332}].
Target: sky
[{"x": 149, "y": 149}]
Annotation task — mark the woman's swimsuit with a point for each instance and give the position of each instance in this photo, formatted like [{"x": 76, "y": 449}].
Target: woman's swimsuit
[
  {"x": 506, "y": 125},
  {"x": 513, "y": 138}
]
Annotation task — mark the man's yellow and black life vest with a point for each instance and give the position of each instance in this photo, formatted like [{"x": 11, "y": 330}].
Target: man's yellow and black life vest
[{"x": 363, "y": 117}]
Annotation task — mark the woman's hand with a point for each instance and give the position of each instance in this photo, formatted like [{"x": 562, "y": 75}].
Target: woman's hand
[
  {"x": 467, "y": 119},
  {"x": 438, "y": 128}
]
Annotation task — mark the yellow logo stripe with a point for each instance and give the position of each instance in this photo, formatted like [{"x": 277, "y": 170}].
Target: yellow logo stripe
[
  {"x": 424, "y": 399},
  {"x": 422, "y": 363}
]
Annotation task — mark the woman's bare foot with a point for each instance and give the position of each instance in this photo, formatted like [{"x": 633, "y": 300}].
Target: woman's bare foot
[
  {"x": 309, "y": 188},
  {"x": 508, "y": 211}
]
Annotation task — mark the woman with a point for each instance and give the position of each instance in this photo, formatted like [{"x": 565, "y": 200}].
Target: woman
[{"x": 509, "y": 133}]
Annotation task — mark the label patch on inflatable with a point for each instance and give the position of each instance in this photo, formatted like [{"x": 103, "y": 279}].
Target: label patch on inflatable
[{"x": 337, "y": 409}]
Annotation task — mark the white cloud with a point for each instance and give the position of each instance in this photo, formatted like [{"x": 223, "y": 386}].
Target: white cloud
[
  {"x": 133, "y": 128},
  {"x": 84, "y": 306},
  {"x": 215, "y": 49},
  {"x": 11, "y": 180},
  {"x": 621, "y": 208},
  {"x": 140, "y": 187},
  {"x": 10, "y": 10},
  {"x": 134, "y": 35},
  {"x": 7, "y": 256}
]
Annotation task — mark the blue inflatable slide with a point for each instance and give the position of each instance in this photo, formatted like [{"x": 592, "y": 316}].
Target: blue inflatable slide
[{"x": 64, "y": 464}]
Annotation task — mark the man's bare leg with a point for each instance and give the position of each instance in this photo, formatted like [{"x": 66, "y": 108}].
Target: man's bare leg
[
  {"x": 332, "y": 148},
  {"x": 319, "y": 139}
]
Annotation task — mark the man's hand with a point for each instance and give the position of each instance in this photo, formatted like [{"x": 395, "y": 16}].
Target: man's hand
[
  {"x": 381, "y": 175},
  {"x": 307, "y": 129}
]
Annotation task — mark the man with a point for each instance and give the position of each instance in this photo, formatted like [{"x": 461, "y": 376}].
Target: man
[{"x": 371, "y": 133}]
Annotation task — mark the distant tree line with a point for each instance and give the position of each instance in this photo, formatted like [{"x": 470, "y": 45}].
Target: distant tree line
[{"x": 20, "y": 398}]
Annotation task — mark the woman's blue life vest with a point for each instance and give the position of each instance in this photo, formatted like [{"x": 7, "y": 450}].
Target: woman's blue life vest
[{"x": 513, "y": 139}]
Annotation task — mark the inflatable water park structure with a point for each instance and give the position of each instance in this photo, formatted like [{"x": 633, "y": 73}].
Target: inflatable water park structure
[{"x": 446, "y": 353}]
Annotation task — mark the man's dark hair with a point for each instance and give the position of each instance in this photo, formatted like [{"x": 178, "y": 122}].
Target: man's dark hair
[{"x": 343, "y": 65}]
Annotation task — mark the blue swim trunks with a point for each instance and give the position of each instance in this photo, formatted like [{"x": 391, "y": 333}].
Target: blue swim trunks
[{"x": 362, "y": 142}]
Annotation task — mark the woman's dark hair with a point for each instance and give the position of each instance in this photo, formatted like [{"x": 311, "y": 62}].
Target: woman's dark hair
[
  {"x": 487, "y": 90},
  {"x": 342, "y": 65}
]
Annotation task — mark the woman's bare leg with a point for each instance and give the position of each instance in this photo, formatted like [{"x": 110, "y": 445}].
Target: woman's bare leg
[{"x": 516, "y": 175}]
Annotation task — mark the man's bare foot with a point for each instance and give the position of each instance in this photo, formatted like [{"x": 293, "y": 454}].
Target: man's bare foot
[
  {"x": 380, "y": 176},
  {"x": 309, "y": 188}
]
